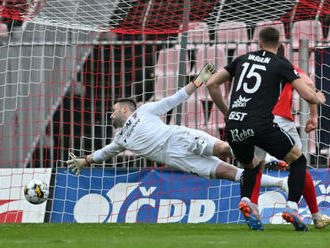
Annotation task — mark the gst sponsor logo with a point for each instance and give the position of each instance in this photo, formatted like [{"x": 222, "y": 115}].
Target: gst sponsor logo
[
  {"x": 242, "y": 135},
  {"x": 240, "y": 102},
  {"x": 237, "y": 116},
  {"x": 124, "y": 201}
]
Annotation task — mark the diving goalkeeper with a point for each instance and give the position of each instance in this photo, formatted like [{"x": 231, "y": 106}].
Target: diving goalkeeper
[{"x": 189, "y": 150}]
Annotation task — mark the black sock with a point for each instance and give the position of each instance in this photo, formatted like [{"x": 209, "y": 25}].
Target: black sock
[
  {"x": 296, "y": 179},
  {"x": 248, "y": 180}
]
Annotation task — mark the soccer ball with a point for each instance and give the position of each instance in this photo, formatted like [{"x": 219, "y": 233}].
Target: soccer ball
[{"x": 36, "y": 191}]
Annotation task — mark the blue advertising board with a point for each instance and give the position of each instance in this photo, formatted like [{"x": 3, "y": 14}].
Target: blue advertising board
[{"x": 165, "y": 196}]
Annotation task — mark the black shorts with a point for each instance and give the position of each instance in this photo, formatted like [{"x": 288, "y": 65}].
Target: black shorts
[{"x": 272, "y": 139}]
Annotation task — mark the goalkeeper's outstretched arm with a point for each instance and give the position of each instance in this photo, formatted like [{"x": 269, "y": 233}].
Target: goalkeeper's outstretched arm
[
  {"x": 77, "y": 164},
  {"x": 168, "y": 103},
  {"x": 161, "y": 107}
]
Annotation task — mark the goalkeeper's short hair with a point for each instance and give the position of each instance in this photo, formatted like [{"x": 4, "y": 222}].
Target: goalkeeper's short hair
[{"x": 127, "y": 101}]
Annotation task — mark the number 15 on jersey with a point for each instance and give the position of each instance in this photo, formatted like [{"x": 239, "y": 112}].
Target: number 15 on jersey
[{"x": 250, "y": 71}]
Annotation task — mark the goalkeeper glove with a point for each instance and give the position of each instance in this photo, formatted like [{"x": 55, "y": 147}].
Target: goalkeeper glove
[
  {"x": 76, "y": 164},
  {"x": 204, "y": 75}
]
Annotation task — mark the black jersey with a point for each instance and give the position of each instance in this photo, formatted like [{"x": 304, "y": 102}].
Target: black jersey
[{"x": 257, "y": 80}]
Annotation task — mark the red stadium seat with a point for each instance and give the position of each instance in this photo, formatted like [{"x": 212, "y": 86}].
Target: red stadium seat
[
  {"x": 276, "y": 24},
  {"x": 197, "y": 32},
  {"x": 192, "y": 114},
  {"x": 242, "y": 49},
  {"x": 216, "y": 121},
  {"x": 260, "y": 25},
  {"x": 165, "y": 85},
  {"x": 311, "y": 62},
  {"x": 208, "y": 54},
  {"x": 198, "y": 38},
  {"x": 168, "y": 61},
  {"x": 211, "y": 54},
  {"x": 306, "y": 30},
  {"x": 232, "y": 34}
]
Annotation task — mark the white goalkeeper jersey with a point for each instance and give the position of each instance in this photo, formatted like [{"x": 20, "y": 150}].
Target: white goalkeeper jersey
[{"x": 144, "y": 133}]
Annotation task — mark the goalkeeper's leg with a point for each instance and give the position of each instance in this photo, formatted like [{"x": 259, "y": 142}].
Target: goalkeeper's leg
[
  {"x": 204, "y": 144},
  {"x": 222, "y": 149},
  {"x": 232, "y": 173}
]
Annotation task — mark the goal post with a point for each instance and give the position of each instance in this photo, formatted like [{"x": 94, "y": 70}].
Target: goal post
[
  {"x": 63, "y": 68},
  {"x": 322, "y": 72}
]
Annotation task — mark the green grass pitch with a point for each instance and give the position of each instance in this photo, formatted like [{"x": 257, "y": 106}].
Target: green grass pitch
[{"x": 158, "y": 235}]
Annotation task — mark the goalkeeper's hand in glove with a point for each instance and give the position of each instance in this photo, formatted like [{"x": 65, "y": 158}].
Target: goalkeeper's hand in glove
[
  {"x": 204, "y": 75},
  {"x": 76, "y": 164}
]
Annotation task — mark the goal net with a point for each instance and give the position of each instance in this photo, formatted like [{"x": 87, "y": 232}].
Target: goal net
[{"x": 64, "y": 63}]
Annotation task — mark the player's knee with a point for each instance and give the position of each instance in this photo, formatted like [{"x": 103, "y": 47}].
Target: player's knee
[
  {"x": 222, "y": 149},
  {"x": 248, "y": 162},
  {"x": 293, "y": 155}
]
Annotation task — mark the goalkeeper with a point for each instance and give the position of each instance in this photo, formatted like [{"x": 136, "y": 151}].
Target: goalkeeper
[{"x": 144, "y": 133}]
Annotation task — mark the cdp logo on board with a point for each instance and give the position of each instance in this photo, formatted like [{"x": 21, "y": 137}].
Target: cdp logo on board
[{"x": 132, "y": 202}]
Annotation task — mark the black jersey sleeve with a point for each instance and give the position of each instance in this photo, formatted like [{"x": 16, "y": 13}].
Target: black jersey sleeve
[
  {"x": 288, "y": 72},
  {"x": 231, "y": 68}
]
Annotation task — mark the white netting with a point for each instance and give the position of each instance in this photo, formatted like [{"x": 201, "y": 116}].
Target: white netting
[
  {"x": 56, "y": 52},
  {"x": 143, "y": 16},
  {"x": 63, "y": 64}
]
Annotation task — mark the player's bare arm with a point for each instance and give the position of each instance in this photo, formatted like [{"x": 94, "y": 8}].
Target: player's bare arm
[
  {"x": 213, "y": 86},
  {"x": 311, "y": 123},
  {"x": 307, "y": 93}
]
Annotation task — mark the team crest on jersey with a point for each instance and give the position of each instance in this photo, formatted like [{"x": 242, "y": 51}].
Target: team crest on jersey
[{"x": 240, "y": 102}]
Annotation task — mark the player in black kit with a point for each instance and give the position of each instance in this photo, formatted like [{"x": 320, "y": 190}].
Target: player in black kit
[{"x": 249, "y": 122}]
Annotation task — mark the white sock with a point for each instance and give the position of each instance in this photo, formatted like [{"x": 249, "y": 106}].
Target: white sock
[
  {"x": 238, "y": 174},
  {"x": 292, "y": 205},
  {"x": 269, "y": 181},
  {"x": 266, "y": 181}
]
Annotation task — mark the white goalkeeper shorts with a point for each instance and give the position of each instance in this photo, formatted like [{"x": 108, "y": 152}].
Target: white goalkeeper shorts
[
  {"x": 189, "y": 150},
  {"x": 289, "y": 127}
]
